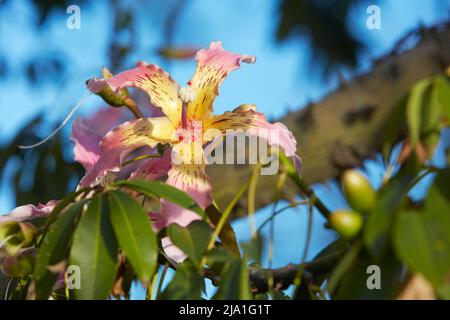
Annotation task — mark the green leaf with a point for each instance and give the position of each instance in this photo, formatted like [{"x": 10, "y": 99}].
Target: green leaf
[
  {"x": 422, "y": 238},
  {"x": 277, "y": 295},
  {"x": 253, "y": 249},
  {"x": 234, "y": 281},
  {"x": 226, "y": 234},
  {"x": 225, "y": 215},
  {"x": 94, "y": 251},
  {"x": 431, "y": 110},
  {"x": 62, "y": 204},
  {"x": 431, "y": 118},
  {"x": 335, "y": 247},
  {"x": 161, "y": 190},
  {"x": 54, "y": 249},
  {"x": 443, "y": 92},
  {"x": 414, "y": 109},
  {"x": 134, "y": 233},
  {"x": 394, "y": 126},
  {"x": 343, "y": 266},
  {"x": 187, "y": 284},
  {"x": 218, "y": 258},
  {"x": 440, "y": 187},
  {"x": 192, "y": 240},
  {"x": 378, "y": 227},
  {"x": 354, "y": 283}
]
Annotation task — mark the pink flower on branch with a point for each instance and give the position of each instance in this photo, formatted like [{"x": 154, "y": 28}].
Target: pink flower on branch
[
  {"x": 104, "y": 144},
  {"x": 185, "y": 109}
]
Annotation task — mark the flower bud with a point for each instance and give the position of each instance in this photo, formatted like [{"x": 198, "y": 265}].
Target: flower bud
[
  {"x": 115, "y": 99},
  {"x": 16, "y": 235},
  {"x": 347, "y": 223},
  {"x": 19, "y": 266},
  {"x": 358, "y": 191}
]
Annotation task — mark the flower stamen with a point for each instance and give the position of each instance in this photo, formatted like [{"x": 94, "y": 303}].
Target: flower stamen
[{"x": 186, "y": 95}]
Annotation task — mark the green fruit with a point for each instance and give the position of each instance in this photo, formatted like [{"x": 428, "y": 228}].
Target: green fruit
[
  {"x": 358, "y": 191},
  {"x": 347, "y": 223}
]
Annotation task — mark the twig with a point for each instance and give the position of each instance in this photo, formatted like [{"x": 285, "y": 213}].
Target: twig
[
  {"x": 224, "y": 217},
  {"x": 301, "y": 270},
  {"x": 161, "y": 279},
  {"x": 289, "y": 206},
  {"x": 283, "y": 277},
  {"x": 251, "y": 199}
]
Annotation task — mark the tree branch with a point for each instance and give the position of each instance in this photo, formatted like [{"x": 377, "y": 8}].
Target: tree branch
[
  {"x": 283, "y": 277},
  {"x": 347, "y": 126}
]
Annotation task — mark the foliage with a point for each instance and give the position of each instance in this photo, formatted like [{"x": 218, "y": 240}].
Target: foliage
[
  {"x": 107, "y": 233},
  {"x": 316, "y": 20}
]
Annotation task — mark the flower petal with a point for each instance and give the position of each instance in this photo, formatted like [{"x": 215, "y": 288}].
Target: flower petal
[
  {"x": 86, "y": 150},
  {"x": 172, "y": 251},
  {"x": 29, "y": 211},
  {"x": 161, "y": 88},
  {"x": 106, "y": 119},
  {"x": 213, "y": 65},
  {"x": 192, "y": 179},
  {"x": 125, "y": 138},
  {"x": 246, "y": 118},
  {"x": 153, "y": 168},
  {"x": 86, "y": 135}
]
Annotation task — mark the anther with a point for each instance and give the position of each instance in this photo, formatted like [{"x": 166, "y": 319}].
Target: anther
[{"x": 186, "y": 94}]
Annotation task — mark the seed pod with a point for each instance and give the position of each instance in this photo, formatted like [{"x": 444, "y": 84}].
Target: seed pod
[
  {"x": 347, "y": 223},
  {"x": 358, "y": 191},
  {"x": 119, "y": 98}
]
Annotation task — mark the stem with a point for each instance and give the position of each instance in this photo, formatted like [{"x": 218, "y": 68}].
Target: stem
[
  {"x": 225, "y": 216},
  {"x": 66, "y": 286},
  {"x": 304, "y": 187},
  {"x": 292, "y": 205},
  {"x": 145, "y": 156},
  {"x": 161, "y": 280},
  {"x": 342, "y": 267},
  {"x": 423, "y": 175},
  {"x": 151, "y": 287},
  {"x": 315, "y": 201},
  {"x": 7, "y": 288},
  {"x": 251, "y": 199},
  {"x": 131, "y": 105},
  {"x": 298, "y": 276},
  {"x": 271, "y": 244}
]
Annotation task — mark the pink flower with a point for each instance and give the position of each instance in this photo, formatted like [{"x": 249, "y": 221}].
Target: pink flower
[
  {"x": 28, "y": 212},
  {"x": 186, "y": 121}
]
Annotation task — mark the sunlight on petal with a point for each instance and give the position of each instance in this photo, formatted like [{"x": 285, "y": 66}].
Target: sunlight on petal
[{"x": 213, "y": 65}]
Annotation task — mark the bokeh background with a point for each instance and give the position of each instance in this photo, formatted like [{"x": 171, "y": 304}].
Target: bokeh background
[{"x": 303, "y": 48}]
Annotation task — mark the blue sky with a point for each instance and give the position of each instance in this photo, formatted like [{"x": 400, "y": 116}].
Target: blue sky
[{"x": 282, "y": 77}]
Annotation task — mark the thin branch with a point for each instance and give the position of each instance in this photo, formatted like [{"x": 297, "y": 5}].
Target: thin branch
[
  {"x": 283, "y": 277},
  {"x": 290, "y": 206}
]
